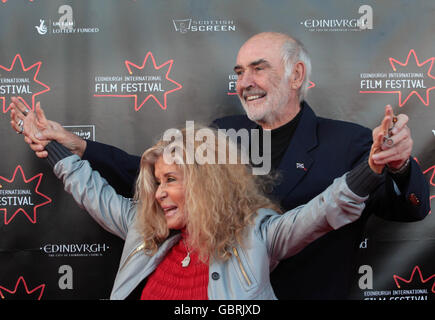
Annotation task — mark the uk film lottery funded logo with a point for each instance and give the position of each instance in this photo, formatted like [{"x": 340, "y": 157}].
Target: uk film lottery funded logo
[
  {"x": 21, "y": 80},
  {"x": 21, "y": 197},
  {"x": 144, "y": 82},
  {"x": 63, "y": 23},
  {"x": 411, "y": 78}
]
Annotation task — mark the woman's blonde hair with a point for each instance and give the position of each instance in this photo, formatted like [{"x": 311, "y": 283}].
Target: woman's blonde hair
[{"x": 220, "y": 199}]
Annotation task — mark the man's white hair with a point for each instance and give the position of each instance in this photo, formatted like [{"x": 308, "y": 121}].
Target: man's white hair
[{"x": 292, "y": 51}]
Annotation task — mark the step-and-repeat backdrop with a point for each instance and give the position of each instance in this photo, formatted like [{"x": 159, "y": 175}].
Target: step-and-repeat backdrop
[{"x": 120, "y": 72}]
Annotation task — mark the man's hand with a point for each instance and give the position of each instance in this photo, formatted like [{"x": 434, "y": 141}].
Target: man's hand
[
  {"x": 378, "y": 141},
  {"x": 397, "y": 145},
  {"x": 39, "y": 131}
]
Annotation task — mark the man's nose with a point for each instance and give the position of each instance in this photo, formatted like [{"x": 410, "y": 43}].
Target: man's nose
[{"x": 246, "y": 81}]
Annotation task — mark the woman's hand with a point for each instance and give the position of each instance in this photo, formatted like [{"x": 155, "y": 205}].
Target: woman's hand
[{"x": 38, "y": 131}]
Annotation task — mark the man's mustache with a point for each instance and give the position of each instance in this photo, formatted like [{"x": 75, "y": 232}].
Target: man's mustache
[{"x": 253, "y": 92}]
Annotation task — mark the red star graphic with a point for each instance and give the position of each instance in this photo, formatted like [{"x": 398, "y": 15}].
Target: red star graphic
[
  {"x": 431, "y": 61},
  {"x": 129, "y": 65},
  {"x": 431, "y": 179},
  {"x": 416, "y": 269},
  {"x": 395, "y": 64},
  {"x": 36, "y": 65},
  {"x": 41, "y": 288},
  {"x": 37, "y": 178}
]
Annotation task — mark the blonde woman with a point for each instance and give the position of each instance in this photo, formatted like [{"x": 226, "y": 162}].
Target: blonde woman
[{"x": 204, "y": 231}]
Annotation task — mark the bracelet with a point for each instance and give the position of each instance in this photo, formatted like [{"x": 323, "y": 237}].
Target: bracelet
[{"x": 401, "y": 170}]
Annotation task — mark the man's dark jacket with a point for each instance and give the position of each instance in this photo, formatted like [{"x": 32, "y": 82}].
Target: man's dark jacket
[{"x": 320, "y": 150}]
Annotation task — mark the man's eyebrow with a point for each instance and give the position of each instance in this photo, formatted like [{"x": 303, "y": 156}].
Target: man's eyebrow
[
  {"x": 253, "y": 64},
  {"x": 259, "y": 61}
]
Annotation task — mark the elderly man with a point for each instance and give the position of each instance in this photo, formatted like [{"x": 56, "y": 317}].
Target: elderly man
[{"x": 308, "y": 152}]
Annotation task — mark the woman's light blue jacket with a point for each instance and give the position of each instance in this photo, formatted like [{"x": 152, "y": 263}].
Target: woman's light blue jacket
[{"x": 245, "y": 275}]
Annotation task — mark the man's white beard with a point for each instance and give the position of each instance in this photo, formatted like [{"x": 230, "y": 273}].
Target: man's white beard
[{"x": 272, "y": 108}]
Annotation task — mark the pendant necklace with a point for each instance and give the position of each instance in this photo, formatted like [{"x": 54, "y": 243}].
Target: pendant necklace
[{"x": 186, "y": 260}]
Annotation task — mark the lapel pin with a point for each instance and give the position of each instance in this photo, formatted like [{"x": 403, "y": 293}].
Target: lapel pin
[{"x": 300, "y": 165}]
